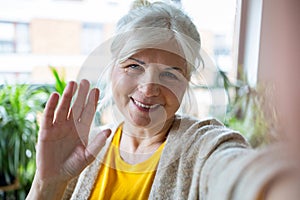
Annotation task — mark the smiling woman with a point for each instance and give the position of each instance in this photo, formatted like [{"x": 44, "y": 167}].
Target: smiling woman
[{"x": 153, "y": 153}]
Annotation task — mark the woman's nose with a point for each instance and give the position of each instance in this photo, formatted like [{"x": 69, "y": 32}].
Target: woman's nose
[
  {"x": 149, "y": 89},
  {"x": 149, "y": 83}
]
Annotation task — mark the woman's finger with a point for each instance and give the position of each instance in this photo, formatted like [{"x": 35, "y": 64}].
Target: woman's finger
[
  {"x": 80, "y": 100},
  {"x": 48, "y": 117},
  {"x": 90, "y": 108},
  {"x": 64, "y": 107}
]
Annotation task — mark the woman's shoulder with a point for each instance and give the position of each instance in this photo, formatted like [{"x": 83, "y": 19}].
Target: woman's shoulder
[
  {"x": 191, "y": 138},
  {"x": 210, "y": 130},
  {"x": 209, "y": 121},
  {"x": 189, "y": 124}
]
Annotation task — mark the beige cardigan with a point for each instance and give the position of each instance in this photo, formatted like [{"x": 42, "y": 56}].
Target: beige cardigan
[{"x": 201, "y": 160}]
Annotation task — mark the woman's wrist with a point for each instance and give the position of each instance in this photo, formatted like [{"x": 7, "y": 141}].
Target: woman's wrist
[{"x": 45, "y": 190}]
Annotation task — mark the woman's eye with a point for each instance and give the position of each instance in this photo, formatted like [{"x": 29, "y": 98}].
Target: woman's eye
[
  {"x": 134, "y": 69},
  {"x": 169, "y": 75}
]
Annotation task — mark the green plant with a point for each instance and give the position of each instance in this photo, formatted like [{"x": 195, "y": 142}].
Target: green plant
[
  {"x": 245, "y": 110},
  {"x": 60, "y": 82},
  {"x": 20, "y": 106}
]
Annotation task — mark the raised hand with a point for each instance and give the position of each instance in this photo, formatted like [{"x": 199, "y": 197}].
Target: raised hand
[{"x": 63, "y": 150}]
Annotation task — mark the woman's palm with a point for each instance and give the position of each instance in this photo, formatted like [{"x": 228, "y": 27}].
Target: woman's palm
[{"x": 63, "y": 150}]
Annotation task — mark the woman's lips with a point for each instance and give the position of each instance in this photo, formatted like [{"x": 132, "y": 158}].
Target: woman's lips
[{"x": 143, "y": 106}]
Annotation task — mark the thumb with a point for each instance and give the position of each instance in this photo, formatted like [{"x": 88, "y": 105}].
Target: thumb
[{"x": 96, "y": 145}]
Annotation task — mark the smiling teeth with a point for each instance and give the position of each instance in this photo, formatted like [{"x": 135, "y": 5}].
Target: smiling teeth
[{"x": 143, "y": 105}]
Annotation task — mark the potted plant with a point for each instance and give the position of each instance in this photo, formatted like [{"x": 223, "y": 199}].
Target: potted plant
[
  {"x": 246, "y": 109},
  {"x": 20, "y": 105}
]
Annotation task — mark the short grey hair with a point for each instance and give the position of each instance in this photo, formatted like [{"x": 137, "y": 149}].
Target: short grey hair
[{"x": 151, "y": 25}]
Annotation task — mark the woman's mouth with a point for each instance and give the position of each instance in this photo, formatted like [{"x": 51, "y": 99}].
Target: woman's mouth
[{"x": 144, "y": 107}]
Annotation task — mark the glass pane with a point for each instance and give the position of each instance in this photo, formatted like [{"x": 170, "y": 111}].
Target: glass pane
[
  {"x": 7, "y": 34},
  {"x": 92, "y": 35},
  {"x": 6, "y": 47},
  {"x": 22, "y": 38},
  {"x": 7, "y": 31},
  {"x": 215, "y": 20}
]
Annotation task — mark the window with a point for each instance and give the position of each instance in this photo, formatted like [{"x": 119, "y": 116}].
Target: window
[
  {"x": 14, "y": 37},
  {"x": 22, "y": 38},
  {"x": 92, "y": 35},
  {"x": 215, "y": 20},
  {"x": 7, "y": 38}
]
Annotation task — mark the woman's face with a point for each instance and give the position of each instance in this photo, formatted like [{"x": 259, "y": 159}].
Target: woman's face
[{"x": 149, "y": 86}]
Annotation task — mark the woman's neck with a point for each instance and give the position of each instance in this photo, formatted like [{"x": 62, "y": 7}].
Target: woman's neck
[{"x": 143, "y": 140}]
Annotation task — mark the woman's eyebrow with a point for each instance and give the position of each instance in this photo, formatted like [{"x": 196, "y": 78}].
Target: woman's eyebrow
[
  {"x": 136, "y": 60},
  {"x": 175, "y": 68},
  {"x": 179, "y": 69}
]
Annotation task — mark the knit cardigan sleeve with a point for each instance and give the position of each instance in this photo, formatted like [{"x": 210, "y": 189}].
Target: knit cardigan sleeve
[{"x": 233, "y": 173}]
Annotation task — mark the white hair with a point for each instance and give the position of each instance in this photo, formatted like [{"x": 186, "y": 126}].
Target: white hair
[{"x": 150, "y": 25}]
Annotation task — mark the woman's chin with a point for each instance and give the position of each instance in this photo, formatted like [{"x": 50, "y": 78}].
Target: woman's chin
[
  {"x": 142, "y": 121},
  {"x": 156, "y": 124}
]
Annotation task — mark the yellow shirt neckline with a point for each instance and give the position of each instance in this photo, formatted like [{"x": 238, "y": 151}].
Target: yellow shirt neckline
[{"x": 115, "y": 160}]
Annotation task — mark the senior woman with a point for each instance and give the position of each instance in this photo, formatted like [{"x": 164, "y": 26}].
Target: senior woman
[{"x": 152, "y": 153}]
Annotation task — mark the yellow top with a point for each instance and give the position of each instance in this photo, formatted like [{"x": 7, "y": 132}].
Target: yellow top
[{"x": 120, "y": 180}]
